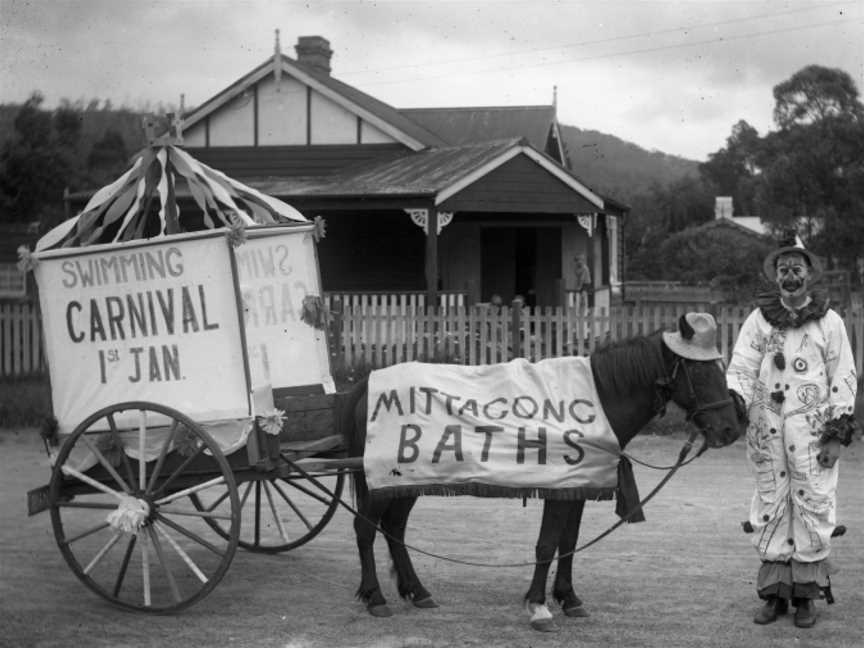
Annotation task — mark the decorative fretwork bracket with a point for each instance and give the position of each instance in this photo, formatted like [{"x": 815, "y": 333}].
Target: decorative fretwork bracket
[
  {"x": 420, "y": 217},
  {"x": 587, "y": 222}
]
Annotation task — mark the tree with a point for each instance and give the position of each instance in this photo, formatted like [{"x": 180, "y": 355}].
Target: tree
[
  {"x": 108, "y": 157},
  {"x": 726, "y": 260},
  {"x": 731, "y": 170},
  {"x": 813, "y": 95},
  {"x": 31, "y": 169},
  {"x": 812, "y": 167}
]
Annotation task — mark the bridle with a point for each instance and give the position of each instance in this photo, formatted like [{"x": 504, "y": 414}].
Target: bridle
[{"x": 664, "y": 394}]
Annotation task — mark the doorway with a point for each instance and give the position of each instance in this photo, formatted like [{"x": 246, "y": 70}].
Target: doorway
[{"x": 509, "y": 263}]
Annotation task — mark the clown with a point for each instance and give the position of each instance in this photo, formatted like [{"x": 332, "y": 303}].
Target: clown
[{"x": 793, "y": 374}]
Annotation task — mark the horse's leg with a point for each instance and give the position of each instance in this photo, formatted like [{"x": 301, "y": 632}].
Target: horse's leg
[
  {"x": 394, "y": 522},
  {"x": 551, "y": 528},
  {"x": 562, "y": 589},
  {"x": 370, "y": 512}
]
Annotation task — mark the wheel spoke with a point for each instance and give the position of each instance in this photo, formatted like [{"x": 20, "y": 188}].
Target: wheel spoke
[
  {"x": 105, "y": 463},
  {"x": 145, "y": 570},
  {"x": 201, "y": 514},
  {"x": 275, "y": 513},
  {"x": 189, "y": 562},
  {"x": 124, "y": 565},
  {"x": 189, "y": 534},
  {"x": 175, "y": 591},
  {"x": 101, "y": 553},
  {"x": 90, "y": 481},
  {"x": 179, "y": 470},
  {"x": 257, "y": 534},
  {"x": 162, "y": 454},
  {"x": 84, "y": 534},
  {"x": 87, "y": 505},
  {"x": 245, "y": 495},
  {"x": 219, "y": 500},
  {"x": 294, "y": 508},
  {"x": 112, "y": 424},
  {"x": 309, "y": 492},
  {"x": 142, "y": 437},
  {"x": 192, "y": 489}
]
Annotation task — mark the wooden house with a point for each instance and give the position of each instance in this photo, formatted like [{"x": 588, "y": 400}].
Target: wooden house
[{"x": 466, "y": 201}]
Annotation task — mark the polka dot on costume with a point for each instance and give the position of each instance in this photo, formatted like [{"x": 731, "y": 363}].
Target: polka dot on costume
[{"x": 834, "y": 389}]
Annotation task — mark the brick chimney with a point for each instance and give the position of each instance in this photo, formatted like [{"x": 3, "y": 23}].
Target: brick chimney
[
  {"x": 314, "y": 52},
  {"x": 722, "y": 206}
]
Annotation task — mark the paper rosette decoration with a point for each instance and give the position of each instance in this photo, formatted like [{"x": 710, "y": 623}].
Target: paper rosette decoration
[{"x": 142, "y": 203}]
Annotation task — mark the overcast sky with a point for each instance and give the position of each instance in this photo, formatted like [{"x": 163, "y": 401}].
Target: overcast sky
[{"x": 670, "y": 76}]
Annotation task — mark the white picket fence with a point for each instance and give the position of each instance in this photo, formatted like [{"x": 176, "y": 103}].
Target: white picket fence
[{"x": 377, "y": 333}]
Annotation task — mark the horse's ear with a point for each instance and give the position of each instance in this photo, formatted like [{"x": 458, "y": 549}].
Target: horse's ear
[{"x": 684, "y": 328}]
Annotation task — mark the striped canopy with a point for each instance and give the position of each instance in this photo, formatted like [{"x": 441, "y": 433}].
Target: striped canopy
[{"x": 142, "y": 203}]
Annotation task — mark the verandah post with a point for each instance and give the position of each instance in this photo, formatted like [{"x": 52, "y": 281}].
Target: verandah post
[{"x": 515, "y": 327}]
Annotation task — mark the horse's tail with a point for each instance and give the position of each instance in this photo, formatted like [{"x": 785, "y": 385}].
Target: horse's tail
[{"x": 355, "y": 417}]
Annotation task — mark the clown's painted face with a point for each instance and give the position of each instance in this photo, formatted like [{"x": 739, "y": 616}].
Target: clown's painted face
[{"x": 793, "y": 276}]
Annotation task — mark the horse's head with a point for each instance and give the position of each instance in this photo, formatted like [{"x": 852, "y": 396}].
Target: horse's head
[{"x": 697, "y": 378}]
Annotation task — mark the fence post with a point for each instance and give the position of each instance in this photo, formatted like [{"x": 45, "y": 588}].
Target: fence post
[
  {"x": 337, "y": 325},
  {"x": 515, "y": 327}
]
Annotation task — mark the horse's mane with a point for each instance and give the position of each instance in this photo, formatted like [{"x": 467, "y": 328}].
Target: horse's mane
[{"x": 621, "y": 367}]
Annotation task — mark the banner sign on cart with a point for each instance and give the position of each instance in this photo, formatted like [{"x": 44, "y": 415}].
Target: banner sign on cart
[
  {"x": 143, "y": 321},
  {"x": 277, "y": 270},
  {"x": 511, "y": 429}
]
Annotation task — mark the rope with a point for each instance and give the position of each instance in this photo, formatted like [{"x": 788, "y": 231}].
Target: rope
[{"x": 682, "y": 455}]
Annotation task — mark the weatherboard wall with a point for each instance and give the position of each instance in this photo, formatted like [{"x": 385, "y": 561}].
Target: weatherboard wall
[
  {"x": 283, "y": 112},
  {"x": 519, "y": 185}
]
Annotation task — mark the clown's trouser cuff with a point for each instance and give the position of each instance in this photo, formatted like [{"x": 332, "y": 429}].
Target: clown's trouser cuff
[{"x": 795, "y": 580}]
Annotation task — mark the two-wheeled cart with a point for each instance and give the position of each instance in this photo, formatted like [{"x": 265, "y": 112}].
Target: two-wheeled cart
[{"x": 190, "y": 382}]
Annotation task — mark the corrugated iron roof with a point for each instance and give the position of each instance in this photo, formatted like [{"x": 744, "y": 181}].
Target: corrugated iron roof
[
  {"x": 472, "y": 125},
  {"x": 420, "y": 173}
]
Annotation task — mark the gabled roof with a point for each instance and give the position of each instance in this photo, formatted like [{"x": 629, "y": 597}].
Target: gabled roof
[
  {"x": 741, "y": 227},
  {"x": 439, "y": 173},
  {"x": 381, "y": 115},
  {"x": 459, "y": 126}
]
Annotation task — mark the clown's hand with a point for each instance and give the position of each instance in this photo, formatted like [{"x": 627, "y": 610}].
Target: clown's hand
[
  {"x": 830, "y": 453},
  {"x": 740, "y": 407}
]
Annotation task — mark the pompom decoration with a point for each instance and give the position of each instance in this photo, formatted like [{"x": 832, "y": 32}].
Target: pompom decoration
[
  {"x": 236, "y": 230},
  {"x": 320, "y": 230},
  {"x": 130, "y": 515},
  {"x": 271, "y": 421},
  {"x": 315, "y": 313},
  {"x": 839, "y": 429},
  {"x": 26, "y": 261}
]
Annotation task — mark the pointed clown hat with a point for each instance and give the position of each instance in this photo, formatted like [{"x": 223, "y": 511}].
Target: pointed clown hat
[
  {"x": 790, "y": 242},
  {"x": 696, "y": 337}
]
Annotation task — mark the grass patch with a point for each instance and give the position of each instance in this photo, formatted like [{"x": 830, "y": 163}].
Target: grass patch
[{"x": 24, "y": 402}]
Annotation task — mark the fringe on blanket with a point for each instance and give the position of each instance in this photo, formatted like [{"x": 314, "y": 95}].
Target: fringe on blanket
[{"x": 485, "y": 490}]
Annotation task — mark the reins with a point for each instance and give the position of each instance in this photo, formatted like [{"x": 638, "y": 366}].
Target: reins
[
  {"x": 682, "y": 456},
  {"x": 663, "y": 395}
]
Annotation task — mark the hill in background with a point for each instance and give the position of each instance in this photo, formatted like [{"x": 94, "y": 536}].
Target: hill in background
[
  {"x": 618, "y": 168},
  {"x": 606, "y": 163}
]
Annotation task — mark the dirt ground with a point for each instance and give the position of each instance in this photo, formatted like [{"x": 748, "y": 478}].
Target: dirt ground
[{"x": 683, "y": 578}]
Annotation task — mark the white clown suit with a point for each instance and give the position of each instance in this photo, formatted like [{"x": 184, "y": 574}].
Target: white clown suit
[{"x": 795, "y": 372}]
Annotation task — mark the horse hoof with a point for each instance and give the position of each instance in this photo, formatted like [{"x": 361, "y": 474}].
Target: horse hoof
[
  {"x": 426, "y": 603},
  {"x": 576, "y": 612},
  {"x": 544, "y": 625},
  {"x": 380, "y": 611}
]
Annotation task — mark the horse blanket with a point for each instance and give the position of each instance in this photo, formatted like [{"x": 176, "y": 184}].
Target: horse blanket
[{"x": 505, "y": 430}]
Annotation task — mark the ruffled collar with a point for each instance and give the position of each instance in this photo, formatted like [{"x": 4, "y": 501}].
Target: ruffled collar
[{"x": 780, "y": 317}]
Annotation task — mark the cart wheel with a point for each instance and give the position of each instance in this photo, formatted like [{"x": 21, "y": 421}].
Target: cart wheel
[
  {"x": 121, "y": 524},
  {"x": 279, "y": 514}
]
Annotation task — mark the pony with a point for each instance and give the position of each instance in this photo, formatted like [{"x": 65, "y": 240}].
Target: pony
[{"x": 635, "y": 380}]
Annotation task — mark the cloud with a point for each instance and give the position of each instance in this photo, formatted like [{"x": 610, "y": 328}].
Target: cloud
[{"x": 661, "y": 73}]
